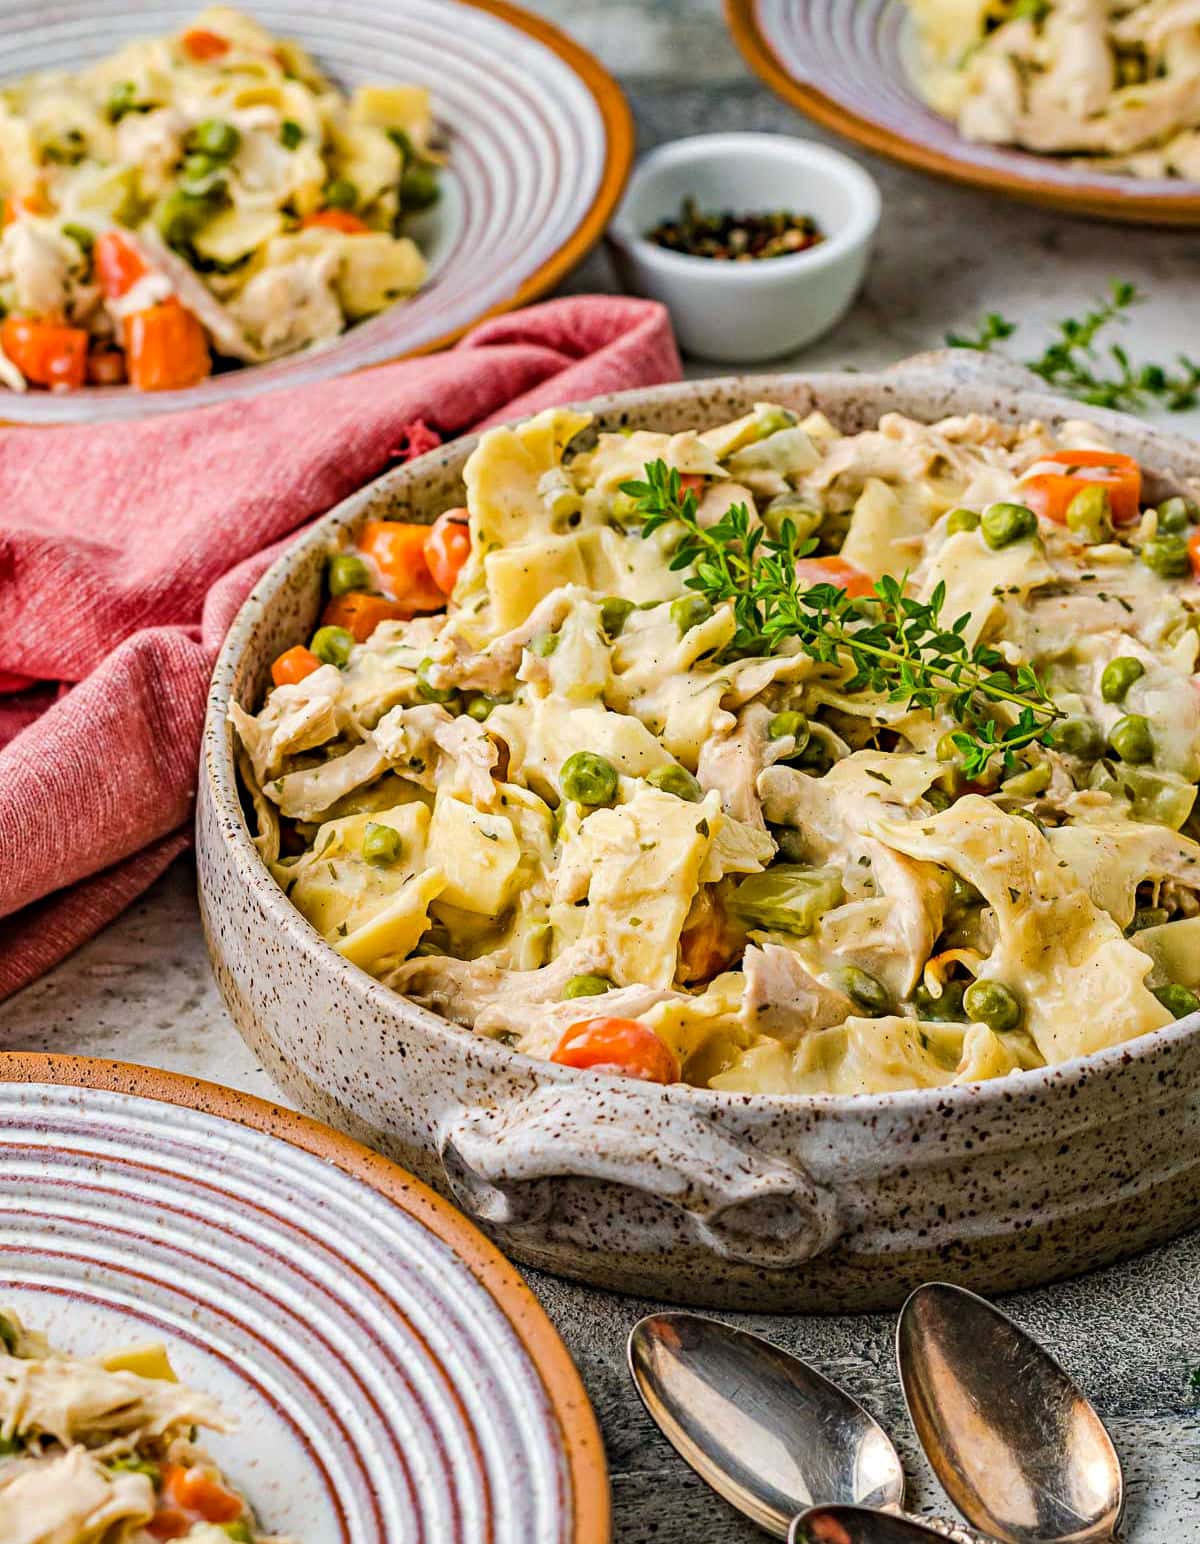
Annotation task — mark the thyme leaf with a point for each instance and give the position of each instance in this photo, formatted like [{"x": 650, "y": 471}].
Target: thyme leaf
[
  {"x": 892, "y": 643},
  {"x": 1072, "y": 364}
]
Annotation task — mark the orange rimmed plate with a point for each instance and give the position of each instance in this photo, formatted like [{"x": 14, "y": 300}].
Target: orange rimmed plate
[
  {"x": 393, "y": 1377},
  {"x": 847, "y": 64},
  {"x": 539, "y": 137}
]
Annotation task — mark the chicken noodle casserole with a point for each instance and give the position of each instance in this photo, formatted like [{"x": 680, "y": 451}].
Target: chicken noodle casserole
[
  {"x": 101, "y": 1450},
  {"x": 771, "y": 758},
  {"x": 210, "y": 191},
  {"x": 1113, "y": 82}
]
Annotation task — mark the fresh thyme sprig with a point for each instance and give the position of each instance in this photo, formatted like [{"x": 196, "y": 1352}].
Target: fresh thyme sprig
[
  {"x": 896, "y": 645},
  {"x": 1069, "y": 363}
]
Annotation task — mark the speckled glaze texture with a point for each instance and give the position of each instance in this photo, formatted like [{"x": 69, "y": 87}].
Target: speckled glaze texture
[{"x": 749, "y": 1201}]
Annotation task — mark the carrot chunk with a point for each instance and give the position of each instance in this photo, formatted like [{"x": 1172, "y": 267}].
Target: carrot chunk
[
  {"x": 293, "y": 665},
  {"x": 46, "y": 353},
  {"x": 398, "y": 553},
  {"x": 361, "y": 614},
  {"x": 165, "y": 348}
]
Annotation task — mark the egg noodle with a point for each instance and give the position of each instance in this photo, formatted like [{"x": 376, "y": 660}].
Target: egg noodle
[
  {"x": 210, "y": 190},
  {"x": 578, "y": 811},
  {"x": 101, "y": 1450},
  {"x": 1115, "y": 83}
]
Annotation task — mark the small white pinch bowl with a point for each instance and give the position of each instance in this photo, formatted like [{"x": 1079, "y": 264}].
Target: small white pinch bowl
[{"x": 748, "y": 311}]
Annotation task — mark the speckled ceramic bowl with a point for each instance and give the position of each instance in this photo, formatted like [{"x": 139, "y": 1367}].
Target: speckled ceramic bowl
[{"x": 740, "y": 1200}]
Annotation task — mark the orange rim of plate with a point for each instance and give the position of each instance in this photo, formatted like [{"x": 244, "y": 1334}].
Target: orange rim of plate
[
  {"x": 619, "y": 143},
  {"x": 742, "y": 18},
  {"x": 576, "y": 1421}
]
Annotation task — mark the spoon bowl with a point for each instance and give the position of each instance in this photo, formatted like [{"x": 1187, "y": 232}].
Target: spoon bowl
[
  {"x": 1016, "y": 1445},
  {"x": 861, "y": 1525},
  {"x": 767, "y": 1432}
]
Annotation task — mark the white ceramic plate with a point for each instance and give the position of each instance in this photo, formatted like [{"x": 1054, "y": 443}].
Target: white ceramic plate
[
  {"x": 848, "y": 64},
  {"x": 395, "y": 1381},
  {"x": 540, "y": 143}
]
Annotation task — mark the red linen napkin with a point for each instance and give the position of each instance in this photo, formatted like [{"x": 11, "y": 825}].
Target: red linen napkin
[{"x": 126, "y": 549}]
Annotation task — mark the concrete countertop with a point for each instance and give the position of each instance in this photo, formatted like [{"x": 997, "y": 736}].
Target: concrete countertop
[{"x": 142, "y": 991}]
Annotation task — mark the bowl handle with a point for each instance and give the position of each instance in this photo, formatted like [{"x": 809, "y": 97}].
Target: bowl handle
[{"x": 510, "y": 1166}]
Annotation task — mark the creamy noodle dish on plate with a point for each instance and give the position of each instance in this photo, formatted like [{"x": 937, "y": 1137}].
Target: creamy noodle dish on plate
[
  {"x": 1115, "y": 83},
  {"x": 206, "y": 194},
  {"x": 770, "y": 758},
  {"x": 102, "y": 1450}
]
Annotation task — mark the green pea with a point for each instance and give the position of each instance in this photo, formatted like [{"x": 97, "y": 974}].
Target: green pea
[
  {"x": 11, "y": 1445},
  {"x": 938, "y": 799},
  {"x": 1079, "y": 736},
  {"x": 290, "y": 134},
  {"x": 543, "y": 644},
  {"x": 333, "y": 645},
  {"x": 479, "y": 708},
  {"x": 1003, "y": 524},
  {"x": 586, "y": 986},
  {"x": 122, "y": 99},
  {"x": 419, "y": 187},
  {"x": 946, "y": 750},
  {"x": 614, "y": 611},
  {"x": 864, "y": 991},
  {"x": 381, "y": 845},
  {"x": 181, "y": 215},
  {"x": 676, "y": 780},
  {"x": 198, "y": 167},
  {"x": 990, "y": 1003},
  {"x": 340, "y": 193},
  {"x": 790, "y": 723},
  {"x": 426, "y": 688},
  {"x": 1167, "y": 556},
  {"x": 239, "y": 1530},
  {"x": 1089, "y": 514},
  {"x": 346, "y": 573},
  {"x": 1178, "y": 1000},
  {"x": 8, "y": 1334},
  {"x": 132, "y": 1464},
  {"x": 1029, "y": 783},
  {"x": 1131, "y": 740},
  {"x": 690, "y": 611},
  {"x": 83, "y": 238},
  {"x": 787, "y": 898},
  {"x": 961, "y": 520},
  {"x": 1119, "y": 675},
  {"x": 1175, "y": 515},
  {"x": 805, "y": 517},
  {"x": 946, "y": 1009},
  {"x": 588, "y": 779},
  {"x": 215, "y": 138},
  {"x": 1148, "y": 916}
]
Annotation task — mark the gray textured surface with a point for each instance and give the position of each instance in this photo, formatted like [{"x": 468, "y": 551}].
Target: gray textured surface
[{"x": 142, "y": 991}]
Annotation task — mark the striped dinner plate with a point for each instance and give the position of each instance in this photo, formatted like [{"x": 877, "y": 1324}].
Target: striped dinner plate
[
  {"x": 393, "y": 1379},
  {"x": 848, "y": 64},
  {"x": 539, "y": 137}
]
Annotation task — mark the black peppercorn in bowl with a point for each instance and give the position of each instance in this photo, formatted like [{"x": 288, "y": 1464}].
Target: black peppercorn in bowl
[{"x": 756, "y": 243}]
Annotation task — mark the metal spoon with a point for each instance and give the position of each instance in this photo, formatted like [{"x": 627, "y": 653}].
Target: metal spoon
[
  {"x": 862, "y": 1525},
  {"x": 1017, "y": 1447},
  {"x": 768, "y": 1432}
]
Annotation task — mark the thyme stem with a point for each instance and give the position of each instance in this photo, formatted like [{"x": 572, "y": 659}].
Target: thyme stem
[{"x": 897, "y": 645}]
